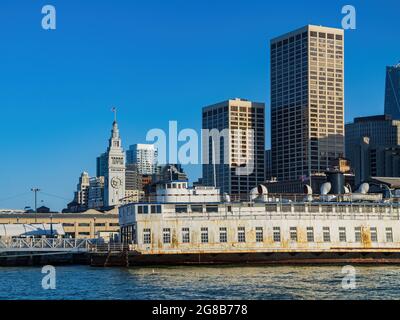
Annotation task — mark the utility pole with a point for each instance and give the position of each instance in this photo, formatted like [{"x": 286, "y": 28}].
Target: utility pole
[{"x": 35, "y": 191}]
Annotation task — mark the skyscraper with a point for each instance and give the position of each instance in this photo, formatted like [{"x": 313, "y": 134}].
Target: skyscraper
[
  {"x": 82, "y": 190},
  {"x": 392, "y": 92},
  {"x": 114, "y": 179},
  {"x": 373, "y": 146},
  {"x": 144, "y": 156},
  {"x": 133, "y": 184},
  {"x": 239, "y": 148},
  {"x": 382, "y": 130},
  {"x": 101, "y": 165},
  {"x": 307, "y": 101},
  {"x": 96, "y": 193}
]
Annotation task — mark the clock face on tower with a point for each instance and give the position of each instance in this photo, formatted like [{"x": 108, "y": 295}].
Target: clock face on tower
[{"x": 116, "y": 182}]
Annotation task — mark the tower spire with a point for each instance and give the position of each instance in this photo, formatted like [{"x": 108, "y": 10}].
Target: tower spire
[{"x": 114, "y": 110}]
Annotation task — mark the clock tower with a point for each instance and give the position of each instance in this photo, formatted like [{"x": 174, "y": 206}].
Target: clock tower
[{"x": 114, "y": 180}]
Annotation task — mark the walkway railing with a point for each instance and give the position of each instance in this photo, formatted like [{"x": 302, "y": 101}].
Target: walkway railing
[
  {"x": 109, "y": 247},
  {"x": 45, "y": 244}
]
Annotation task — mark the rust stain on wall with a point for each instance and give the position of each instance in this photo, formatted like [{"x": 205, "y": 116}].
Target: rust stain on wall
[{"x": 366, "y": 237}]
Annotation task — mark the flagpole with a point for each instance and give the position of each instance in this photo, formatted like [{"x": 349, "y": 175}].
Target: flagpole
[{"x": 114, "y": 109}]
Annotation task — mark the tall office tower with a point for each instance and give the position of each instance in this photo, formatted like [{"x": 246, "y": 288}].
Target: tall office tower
[
  {"x": 268, "y": 164},
  {"x": 96, "y": 193},
  {"x": 381, "y": 131},
  {"x": 101, "y": 165},
  {"x": 392, "y": 92},
  {"x": 133, "y": 184},
  {"x": 114, "y": 179},
  {"x": 145, "y": 156},
  {"x": 82, "y": 190},
  {"x": 372, "y": 146},
  {"x": 307, "y": 101},
  {"x": 240, "y": 148}
]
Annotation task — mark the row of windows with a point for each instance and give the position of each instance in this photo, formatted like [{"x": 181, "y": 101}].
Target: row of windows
[
  {"x": 293, "y": 233},
  {"x": 88, "y": 224},
  {"x": 145, "y": 209}
]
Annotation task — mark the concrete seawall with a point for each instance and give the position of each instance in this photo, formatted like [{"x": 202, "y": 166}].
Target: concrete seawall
[
  {"x": 131, "y": 259},
  {"x": 11, "y": 259}
]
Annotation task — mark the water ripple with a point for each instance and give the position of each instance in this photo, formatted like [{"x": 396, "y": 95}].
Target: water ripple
[{"x": 215, "y": 283}]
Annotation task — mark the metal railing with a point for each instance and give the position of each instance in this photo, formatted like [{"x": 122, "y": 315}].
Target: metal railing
[
  {"x": 45, "y": 244},
  {"x": 109, "y": 247}
]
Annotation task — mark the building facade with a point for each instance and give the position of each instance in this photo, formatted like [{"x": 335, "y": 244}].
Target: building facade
[
  {"x": 371, "y": 144},
  {"x": 144, "y": 156},
  {"x": 101, "y": 165},
  {"x": 133, "y": 184},
  {"x": 234, "y": 145},
  {"x": 392, "y": 92},
  {"x": 307, "y": 101},
  {"x": 371, "y": 160},
  {"x": 82, "y": 192},
  {"x": 96, "y": 193},
  {"x": 114, "y": 180},
  {"x": 381, "y": 130},
  {"x": 87, "y": 225},
  {"x": 268, "y": 165}
]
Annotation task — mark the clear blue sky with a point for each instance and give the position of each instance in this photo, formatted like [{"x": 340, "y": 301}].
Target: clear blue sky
[{"x": 156, "y": 61}]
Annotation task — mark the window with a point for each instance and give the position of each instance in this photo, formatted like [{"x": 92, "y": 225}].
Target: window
[
  {"x": 326, "y": 234},
  {"x": 100, "y": 224},
  {"x": 84, "y": 224},
  {"x": 185, "y": 235},
  {"x": 357, "y": 231},
  {"x": 342, "y": 234},
  {"x": 212, "y": 209},
  {"x": 223, "y": 235},
  {"x": 143, "y": 209},
  {"x": 204, "y": 235},
  {"x": 68, "y": 225},
  {"x": 277, "y": 234},
  {"x": 167, "y": 235},
  {"x": 293, "y": 233},
  {"x": 197, "y": 209},
  {"x": 389, "y": 235},
  {"x": 241, "y": 234},
  {"x": 310, "y": 234},
  {"x": 374, "y": 234},
  {"x": 84, "y": 233},
  {"x": 259, "y": 234},
  {"x": 180, "y": 209},
  {"x": 147, "y": 236},
  {"x": 156, "y": 209}
]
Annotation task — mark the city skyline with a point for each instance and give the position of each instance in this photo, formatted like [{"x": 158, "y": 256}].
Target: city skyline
[{"x": 52, "y": 145}]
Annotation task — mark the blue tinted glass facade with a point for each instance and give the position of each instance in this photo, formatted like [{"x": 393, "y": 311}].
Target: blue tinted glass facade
[{"x": 392, "y": 92}]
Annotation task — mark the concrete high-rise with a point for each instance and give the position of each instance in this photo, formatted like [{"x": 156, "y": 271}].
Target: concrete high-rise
[
  {"x": 381, "y": 130},
  {"x": 82, "y": 190},
  {"x": 238, "y": 153},
  {"x": 133, "y": 184},
  {"x": 307, "y": 101},
  {"x": 96, "y": 193},
  {"x": 392, "y": 92},
  {"x": 101, "y": 165},
  {"x": 373, "y": 147},
  {"x": 144, "y": 156}
]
